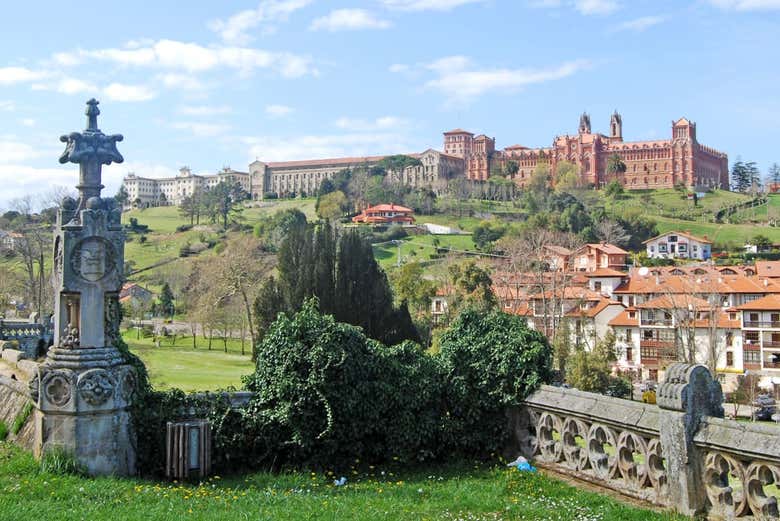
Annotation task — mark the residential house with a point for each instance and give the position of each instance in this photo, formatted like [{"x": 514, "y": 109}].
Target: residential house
[
  {"x": 385, "y": 214},
  {"x": 591, "y": 257},
  {"x": 678, "y": 245}
]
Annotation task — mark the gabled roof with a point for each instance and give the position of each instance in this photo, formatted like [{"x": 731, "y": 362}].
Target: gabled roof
[
  {"x": 388, "y": 208},
  {"x": 609, "y": 249},
  {"x": 768, "y": 303},
  {"x": 682, "y": 121},
  {"x": 683, "y": 234},
  {"x": 593, "y": 311},
  {"x": 623, "y": 319},
  {"x": 768, "y": 269}
]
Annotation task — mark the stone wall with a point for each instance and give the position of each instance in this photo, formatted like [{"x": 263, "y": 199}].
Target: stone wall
[
  {"x": 680, "y": 454},
  {"x": 14, "y": 396}
]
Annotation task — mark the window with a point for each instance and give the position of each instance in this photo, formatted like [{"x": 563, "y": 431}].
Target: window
[
  {"x": 629, "y": 354},
  {"x": 597, "y": 285},
  {"x": 729, "y": 358},
  {"x": 662, "y": 248},
  {"x": 672, "y": 238},
  {"x": 628, "y": 337},
  {"x": 751, "y": 357}
]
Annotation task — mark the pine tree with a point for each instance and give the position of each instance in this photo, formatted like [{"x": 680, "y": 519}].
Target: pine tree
[
  {"x": 325, "y": 267},
  {"x": 267, "y": 305},
  {"x": 739, "y": 176},
  {"x": 296, "y": 263},
  {"x": 774, "y": 174},
  {"x": 166, "y": 301}
]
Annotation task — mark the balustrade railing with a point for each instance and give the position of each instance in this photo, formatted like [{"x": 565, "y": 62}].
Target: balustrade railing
[{"x": 680, "y": 454}]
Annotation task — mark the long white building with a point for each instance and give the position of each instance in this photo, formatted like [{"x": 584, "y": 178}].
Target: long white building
[{"x": 164, "y": 191}]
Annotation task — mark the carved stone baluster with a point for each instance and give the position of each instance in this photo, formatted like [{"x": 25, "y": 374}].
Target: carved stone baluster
[
  {"x": 758, "y": 476},
  {"x": 550, "y": 448},
  {"x": 604, "y": 465},
  {"x": 633, "y": 472},
  {"x": 574, "y": 454},
  {"x": 726, "y": 501},
  {"x": 656, "y": 469}
]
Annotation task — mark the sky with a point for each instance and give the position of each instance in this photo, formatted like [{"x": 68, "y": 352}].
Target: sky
[{"x": 213, "y": 84}]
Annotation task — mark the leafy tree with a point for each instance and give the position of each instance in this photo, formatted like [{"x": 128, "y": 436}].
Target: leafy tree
[
  {"x": 488, "y": 232},
  {"x": 539, "y": 182},
  {"x": 398, "y": 163},
  {"x": 473, "y": 284},
  {"x": 566, "y": 176},
  {"x": 166, "y": 300},
  {"x": 122, "y": 196},
  {"x": 412, "y": 287},
  {"x": 762, "y": 241},
  {"x": 332, "y": 205},
  {"x": 614, "y": 189}
]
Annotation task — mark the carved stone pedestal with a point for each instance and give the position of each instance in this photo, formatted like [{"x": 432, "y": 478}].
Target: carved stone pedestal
[
  {"x": 84, "y": 387},
  {"x": 83, "y": 397}
]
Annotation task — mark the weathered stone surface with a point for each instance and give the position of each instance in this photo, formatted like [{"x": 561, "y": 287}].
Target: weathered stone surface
[
  {"x": 84, "y": 387},
  {"x": 12, "y": 356},
  {"x": 13, "y": 399}
]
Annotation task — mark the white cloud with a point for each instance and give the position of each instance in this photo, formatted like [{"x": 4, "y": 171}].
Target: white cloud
[
  {"x": 382, "y": 123},
  {"x": 130, "y": 93},
  {"x": 348, "y": 20},
  {"x": 20, "y": 180},
  {"x": 193, "y": 57},
  {"x": 15, "y": 152},
  {"x": 747, "y": 5},
  {"x": 427, "y": 5},
  {"x": 275, "y": 148},
  {"x": 27, "y": 122},
  {"x": 67, "y": 86},
  {"x": 460, "y": 82},
  {"x": 585, "y": 7},
  {"x": 200, "y": 129},
  {"x": 589, "y": 7},
  {"x": 12, "y": 75},
  {"x": 235, "y": 29},
  {"x": 640, "y": 24},
  {"x": 278, "y": 111},
  {"x": 398, "y": 68},
  {"x": 205, "y": 110},
  {"x": 7, "y": 106},
  {"x": 173, "y": 80}
]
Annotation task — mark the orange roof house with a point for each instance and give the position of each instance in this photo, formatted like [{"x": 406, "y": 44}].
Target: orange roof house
[{"x": 385, "y": 214}]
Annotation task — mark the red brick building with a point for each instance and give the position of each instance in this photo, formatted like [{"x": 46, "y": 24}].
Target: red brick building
[{"x": 649, "y": 164}]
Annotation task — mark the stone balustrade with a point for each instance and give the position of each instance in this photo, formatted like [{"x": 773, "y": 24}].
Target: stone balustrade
[{"x": 680, "y": 454}]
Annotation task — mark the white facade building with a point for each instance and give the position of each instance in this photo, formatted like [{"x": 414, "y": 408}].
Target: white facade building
[
  {"x": 164, "y": 191},
  {"x": 678, "y": 245}
]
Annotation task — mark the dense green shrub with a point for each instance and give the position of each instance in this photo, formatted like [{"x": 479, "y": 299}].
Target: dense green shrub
[
  {"x": 3, "y": 431},
  {"x": 326, "y": 395},
  {"x": 491, "y": 361}
]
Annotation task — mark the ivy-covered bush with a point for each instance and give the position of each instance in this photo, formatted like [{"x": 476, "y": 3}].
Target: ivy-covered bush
[
  {"x": 491, "y": 362},
  {"x": 326, "y": 395}
]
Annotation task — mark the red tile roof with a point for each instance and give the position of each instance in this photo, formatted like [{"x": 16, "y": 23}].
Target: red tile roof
[
  {"x": 459, "y": 131},
  {"x": 768, "y": 303},
  {"x": 684, "y": 234},
  {"x": 606, "y": 272}
]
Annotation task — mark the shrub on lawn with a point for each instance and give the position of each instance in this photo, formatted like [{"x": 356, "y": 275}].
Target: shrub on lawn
[{"x": 59, "y": 461}]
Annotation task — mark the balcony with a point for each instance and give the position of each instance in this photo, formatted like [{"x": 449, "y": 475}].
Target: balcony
[
  {"x": 763, "y": 324},
  {"x": 772, "y": 344},
  {"x": 653, "y": 351},
  {"x": 771, "y": 365},
  {"x": 665, "y": 322}
]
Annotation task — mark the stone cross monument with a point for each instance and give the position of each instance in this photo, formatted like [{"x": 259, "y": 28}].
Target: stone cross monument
[{"x": 85, "y": 386}]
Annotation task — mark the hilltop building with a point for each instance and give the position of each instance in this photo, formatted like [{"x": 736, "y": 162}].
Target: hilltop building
[
  {"x": 649, "y": 164},
  {"x": 288, "y": 177},
  {"x": 166, "y": 191}
]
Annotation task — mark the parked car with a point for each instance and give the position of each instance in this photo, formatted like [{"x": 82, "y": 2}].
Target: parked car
[
  {"x": 764, "y": 413},
  {"x": 764, "y": 400}
]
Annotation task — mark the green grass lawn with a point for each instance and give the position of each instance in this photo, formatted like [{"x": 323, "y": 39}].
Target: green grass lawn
[
  {"x": 420, "y": 248},
  {"x": 384, "y": 493},
  {"x": 180, "y": 366}
]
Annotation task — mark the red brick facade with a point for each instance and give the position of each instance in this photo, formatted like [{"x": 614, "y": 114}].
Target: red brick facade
[{"x": 649, "y": 164}]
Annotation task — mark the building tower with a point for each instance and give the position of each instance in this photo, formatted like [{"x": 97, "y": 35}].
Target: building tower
[
  {"x": 616, "y": 127},
  {"x": 584, "y": 123}
]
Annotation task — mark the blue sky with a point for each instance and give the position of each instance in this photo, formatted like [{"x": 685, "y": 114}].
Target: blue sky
[{"x": 211, "y": 84}]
